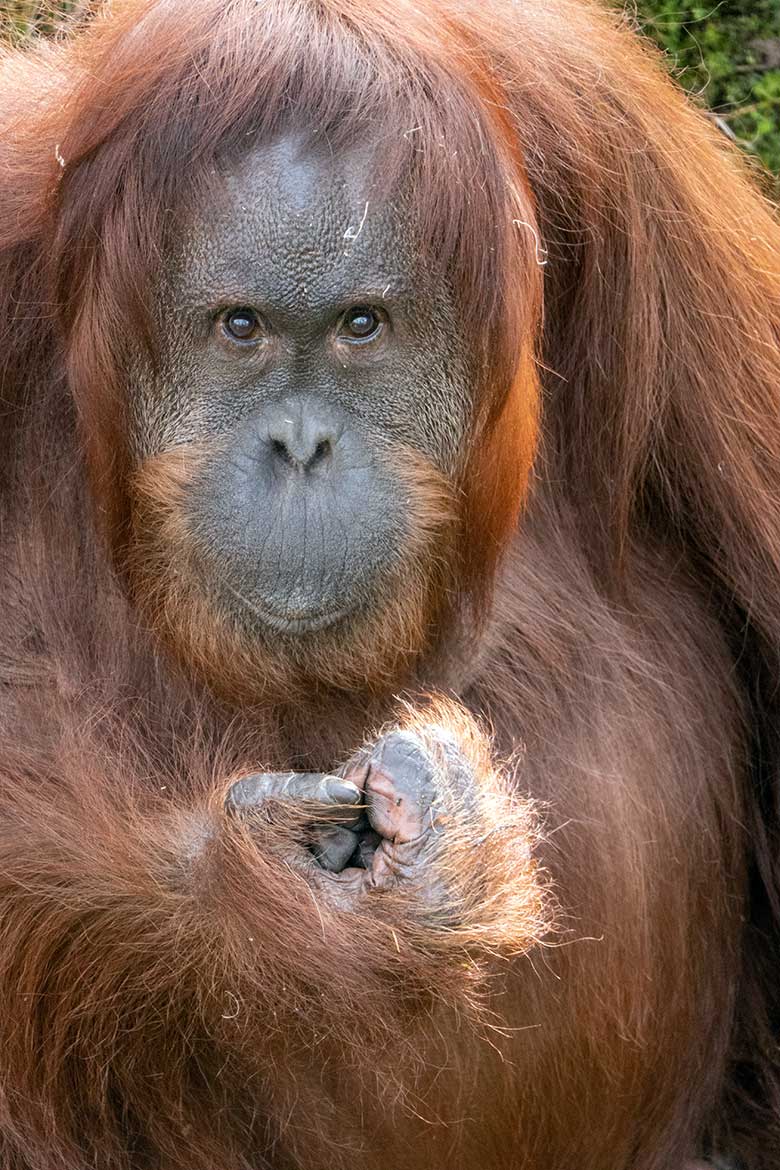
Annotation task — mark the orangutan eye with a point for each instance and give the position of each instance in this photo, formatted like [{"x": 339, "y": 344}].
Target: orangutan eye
[
  {"x": 360, "y": 323},
  {"x": 242, "y": 324}
]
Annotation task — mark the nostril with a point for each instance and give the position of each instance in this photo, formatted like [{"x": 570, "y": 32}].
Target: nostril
[
  {"x": 321, "y": 451},
  {"x": 300, "y": 452},
  {"x": 296, "y": 438},
  {"x": 280, "y": 450}
]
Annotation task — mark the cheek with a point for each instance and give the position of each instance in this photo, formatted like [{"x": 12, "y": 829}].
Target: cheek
[
  {"x": 434, "y": 408},
  {"x": 425, "y": 407},
  {"x": 185, "y": 401},
  {"x": 162, "y": 403},
  {"x": 445, "y": 420}
]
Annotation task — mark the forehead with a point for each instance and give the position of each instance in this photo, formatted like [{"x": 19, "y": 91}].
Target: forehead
[{"x": 295, "y": 222}]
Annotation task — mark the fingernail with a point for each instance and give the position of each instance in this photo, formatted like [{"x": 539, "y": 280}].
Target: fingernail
[{"x": 344, "y": 791}]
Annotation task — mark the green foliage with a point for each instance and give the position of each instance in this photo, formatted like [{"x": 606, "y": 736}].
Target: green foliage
[
  {"x": 729, "y": 55},
  {"x": 21, "y": 19}
]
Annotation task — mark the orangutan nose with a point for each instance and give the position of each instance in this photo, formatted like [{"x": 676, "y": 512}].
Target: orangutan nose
[{"x": 301, "y": 437}]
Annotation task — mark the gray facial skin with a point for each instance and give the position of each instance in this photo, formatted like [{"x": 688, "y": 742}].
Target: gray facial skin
[{"x": 297, "y": 516}]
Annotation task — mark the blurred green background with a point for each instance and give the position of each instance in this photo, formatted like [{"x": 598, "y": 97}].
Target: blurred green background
[{"x": 727, "y": 55}]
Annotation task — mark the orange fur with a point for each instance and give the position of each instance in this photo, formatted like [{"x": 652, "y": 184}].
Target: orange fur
[{"x": 176, "y": 990}]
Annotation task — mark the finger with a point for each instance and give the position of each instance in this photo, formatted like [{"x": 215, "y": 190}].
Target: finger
[
  {"x": 334, "y": 795},
  {"x": 356, "y": 771},
  {"x": 367, "y": 846},
  {"x": 333, "y": 846},
  {"x": 400, "y": 787}
]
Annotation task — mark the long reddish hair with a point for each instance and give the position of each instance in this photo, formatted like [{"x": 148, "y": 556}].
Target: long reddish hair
[
  {"x": 571, "y": 162},
  {"x": 617, "y": 272}
]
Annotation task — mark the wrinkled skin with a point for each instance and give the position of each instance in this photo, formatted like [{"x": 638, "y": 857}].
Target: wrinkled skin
[
  {"x": 297, "y": 519},
  {"x": 396, "y": 834}
]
